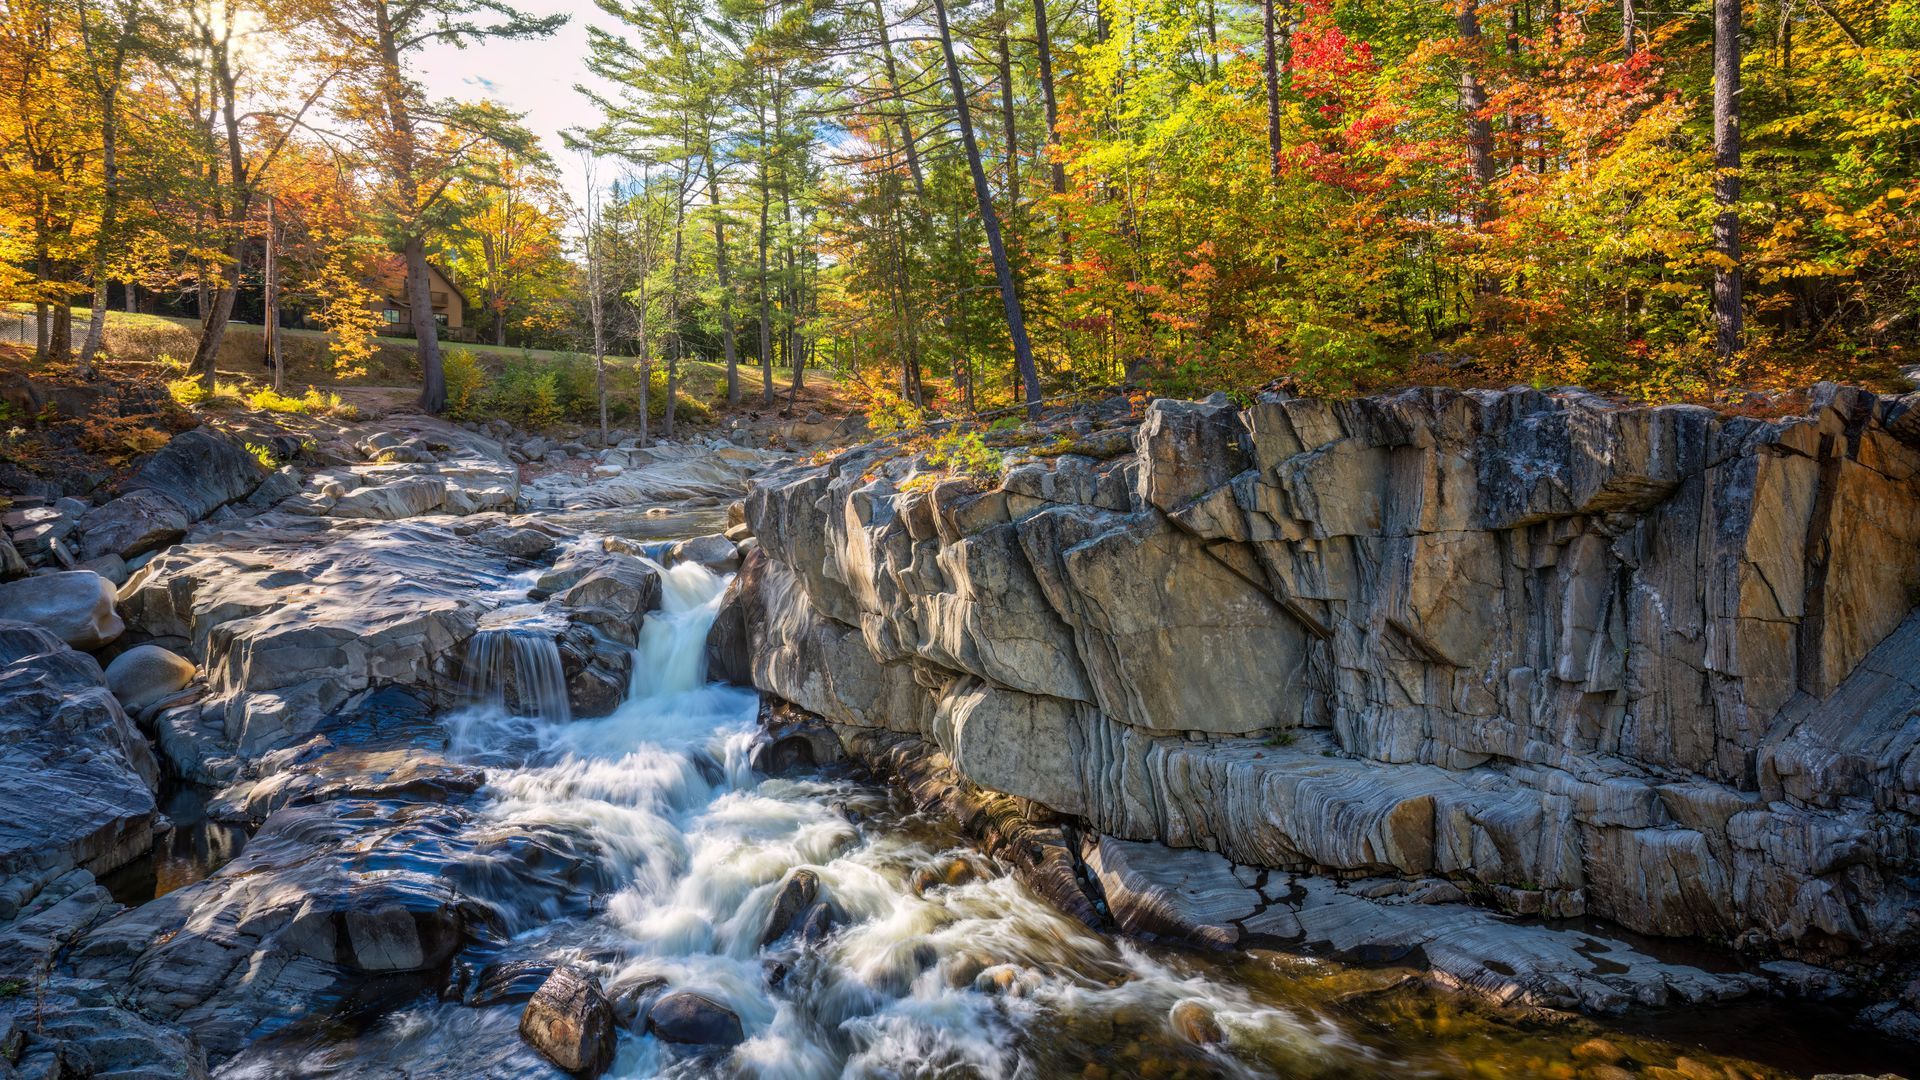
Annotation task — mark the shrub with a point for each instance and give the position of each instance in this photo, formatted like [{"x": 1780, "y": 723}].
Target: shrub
[
  {"x": 187, "y": 392},
  {"x": 120, "y": 438},
  {"x": 687, "y": 410},
  {"x": 466, "y": 384},
  {"x": 267, "y": 399},
  {"x": 328, "y": 403},
  {"x": 966, "y": 453}
]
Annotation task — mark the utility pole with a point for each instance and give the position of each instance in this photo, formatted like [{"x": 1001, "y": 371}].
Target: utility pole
[{"x": 270, "y": 302}]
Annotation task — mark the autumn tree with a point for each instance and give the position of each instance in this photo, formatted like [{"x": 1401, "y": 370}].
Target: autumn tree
[{"x": 418, "y": 147}]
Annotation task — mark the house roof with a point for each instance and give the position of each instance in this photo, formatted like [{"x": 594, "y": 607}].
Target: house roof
[{"x": 392, "y": 267}]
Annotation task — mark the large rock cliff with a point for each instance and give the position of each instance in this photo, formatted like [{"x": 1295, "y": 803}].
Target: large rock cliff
[{"x": 1656, "y": 665}]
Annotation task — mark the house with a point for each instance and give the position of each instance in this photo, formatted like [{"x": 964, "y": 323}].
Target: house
[{"x": 396, "y": 315}]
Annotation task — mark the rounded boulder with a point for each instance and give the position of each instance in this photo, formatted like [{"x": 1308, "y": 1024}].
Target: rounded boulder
[
  {"x": 146, "y": 674},
  {"x": 76, "y": 605},
  {"x": 686, "y": 1017}
]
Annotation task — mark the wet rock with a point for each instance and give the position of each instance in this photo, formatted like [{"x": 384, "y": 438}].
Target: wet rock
[
  {"x": 613, "y": 597},
  {"x": 391, "y": 501},
  {"x": 1194, "y": 1022},
  {"x": 687, "y": 1017},
  {"x": 792, "y": 740},
  {"x": 570, "y": 1021},
  {"x": 77, "y": 606},
  {"x": 327, "y": 898},
  {"x": 713, "y": 551},
  {"x": 521, "y": 543},
  {"x": 818, "y": 924},
  {"x": 509, "y": 983},
  {"x": 146, "y": 674},
  {"x": 1199, "y": 896},
  {"x": 79, "y": 1028},
  {"x": 77, "y": 781},
  {"x": 794, "y": 896},
  {"x": 321, "y": 772},
  {"x": 293, "y": 617}
]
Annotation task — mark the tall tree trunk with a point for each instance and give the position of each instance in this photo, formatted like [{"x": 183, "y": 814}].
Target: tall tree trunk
[
  {"x": 104, "y": 237},
  {"x": 270, "y": 302},
  {"x": 1005, "y": 49},
  {"x": 646, "y": 354},
  {"x": 1044, "y": 40},
  {"x": 1213, "y": 39},
  {"x": 1002, "y": 269},
  {"x": 1629, "y": 30},
  {"x": 894, "y": 88},
  {"x": 790, "y": 287},
  {"x": 726, "y": 290},
  {"x": 673, "y": 307},
  {"x": 1270, "y": 34},
  {"x": 1473, "y": 101},
  {"x": 1727, "y": 284},
  {"x": 107, "y": 78},
  {"x": 213, "y": 323},
  {"x": 766, "y": 314},
  {"x": 426, "y": 330},
  {"x": 60, "y": 335}
]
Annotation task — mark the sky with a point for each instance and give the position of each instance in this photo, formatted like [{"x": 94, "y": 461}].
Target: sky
[{"x": 535, "y": 77}]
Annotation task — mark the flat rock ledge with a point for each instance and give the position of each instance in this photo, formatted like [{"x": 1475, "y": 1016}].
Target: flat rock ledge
[{"x": 1203, "y": 900}]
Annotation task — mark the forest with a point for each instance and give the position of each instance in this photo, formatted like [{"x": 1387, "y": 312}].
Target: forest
[{"x": 966, "y": 206}]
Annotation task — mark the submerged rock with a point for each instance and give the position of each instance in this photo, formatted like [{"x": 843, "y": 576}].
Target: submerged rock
[
  {"x": 570, "y": 1021},
  {"x": 1194, "y": 1022},
  {"x": 687, "y": 1017},
  {"x": 794, "y": 896}
]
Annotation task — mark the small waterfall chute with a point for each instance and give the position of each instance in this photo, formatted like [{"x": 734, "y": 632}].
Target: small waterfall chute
[
  {"x": 521, "y": 663},
  {"x": 671, "y": 657}
]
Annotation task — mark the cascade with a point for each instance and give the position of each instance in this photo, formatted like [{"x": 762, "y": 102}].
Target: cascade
[{"x": 523, "y": 658}]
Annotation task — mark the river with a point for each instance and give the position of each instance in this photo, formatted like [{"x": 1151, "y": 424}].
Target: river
[{"x": 939, "y": 964}]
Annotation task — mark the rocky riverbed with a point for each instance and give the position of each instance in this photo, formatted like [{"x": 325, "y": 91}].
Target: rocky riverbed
[{"x": 400, "y": 756}]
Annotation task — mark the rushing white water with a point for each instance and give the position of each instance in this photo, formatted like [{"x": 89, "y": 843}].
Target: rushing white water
[
  {"x": 525, "y": 658},
  {"x": 699, "y": 846},
  {"x": 972, "y": 977}
]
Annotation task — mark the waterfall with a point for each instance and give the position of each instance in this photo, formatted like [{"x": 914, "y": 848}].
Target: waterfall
[
  {"x": 524, "y": 658},
  {"x": 672, "y": 655}
]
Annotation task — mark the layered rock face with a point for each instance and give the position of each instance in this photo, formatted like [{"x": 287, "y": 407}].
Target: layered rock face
[
  {"x": 77, "y": 781},
  {"x": 1658, "y": 665}
]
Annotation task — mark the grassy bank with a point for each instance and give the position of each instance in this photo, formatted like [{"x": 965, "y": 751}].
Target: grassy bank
[{"x": 148, "y": 337}]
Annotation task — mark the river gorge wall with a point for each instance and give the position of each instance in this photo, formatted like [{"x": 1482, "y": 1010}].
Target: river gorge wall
[{"x": 1560, "y": 656}]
